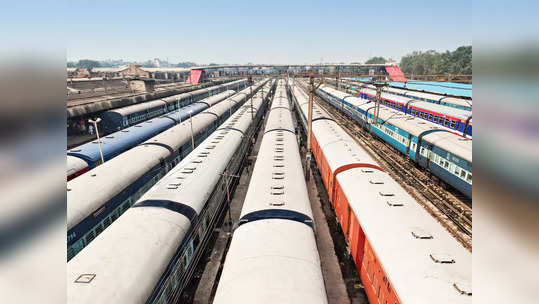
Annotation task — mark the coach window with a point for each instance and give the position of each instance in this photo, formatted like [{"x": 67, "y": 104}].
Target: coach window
[
  {"x": 469, "y": 178},
  {"x": 447, "y": 122},
  {"x": 430, "y": 116},
  {"x": 452, "y": 124}
]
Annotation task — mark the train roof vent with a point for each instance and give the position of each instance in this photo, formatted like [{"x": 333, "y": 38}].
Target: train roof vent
[
  {"x": 172, "y": 187},
  {"x": 125, "y": 131},
  {"x": 277, "y": 188},
  {"x": 279, "y": 149},
  {"x": 278, "y": 157},
  {"x": 278, "y": 165},
  {"x": 278, "y": 175},
  {"x": 180, "y": 177},
  {"x": 191, "y": 168},
  {"x": 215, "y": 142},
  {"x": 279, "y": 144},
  {"x": 463, "y": 288},
  {"x": 276, "y": 191},
  {"x": 205, "y": 152},
  {"x": 382, "y": 193},
  {"x": 376, "y": 182},
  {"x": 75, "y": 150},
  {"x": 85, "y": 278},
  {"x": 187, "y": 171},
  {"x": 419, "y": 233},
  {"x": 196, "y": 161},
  {"x": 109, "y": 136},
  {"x": 394, "y": 204},
  {"x": 220, "y": 137},
  {"x": 203, "y": 155},
  {"x": 442, "y": 258},
  {"x": 138, "y": 126},
  {"x": 279, "y": 139}
]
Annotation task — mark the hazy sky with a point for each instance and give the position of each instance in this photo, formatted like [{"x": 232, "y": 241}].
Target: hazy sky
[{"x": 255, "y": 31}]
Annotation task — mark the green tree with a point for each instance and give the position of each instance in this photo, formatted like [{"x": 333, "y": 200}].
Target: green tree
[
  {"x": 88, "y": 64},
  {"x": 432, "y": 62},
  {"x": 376, "y": 60},
  {"x": 186, "y": 64}
]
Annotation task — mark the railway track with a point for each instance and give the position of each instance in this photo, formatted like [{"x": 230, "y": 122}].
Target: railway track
[{"x": 454, "y": 212}]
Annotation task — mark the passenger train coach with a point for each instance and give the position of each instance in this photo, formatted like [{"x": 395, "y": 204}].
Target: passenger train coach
[
  {"x": 117, "y": 119},
  {"x": 452, "y": 118},
  {"x": 435, "y": 148},
  {"x": 403, "y": 255},
  {"x": 98, "y": 197},
  {"x": 88, "y": 156},
  {"x": 149, "y": 254},
  {"x": 273, "y": 257},
  {"x": 448, "y": 101}
]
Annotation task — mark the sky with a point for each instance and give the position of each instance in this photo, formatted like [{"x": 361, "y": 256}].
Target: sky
[{"x": 247, "y": 31}]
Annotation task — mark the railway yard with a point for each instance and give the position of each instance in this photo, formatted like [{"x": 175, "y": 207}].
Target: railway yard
[{"x": 289, "y": 187}]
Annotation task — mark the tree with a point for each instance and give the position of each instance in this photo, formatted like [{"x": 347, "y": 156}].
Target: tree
[
  {"x": 432, "y": 62},
  {"x": 186, "y": 64},
  {"x": 376, "y": 60},
  {"x": 88, "y": 64}
]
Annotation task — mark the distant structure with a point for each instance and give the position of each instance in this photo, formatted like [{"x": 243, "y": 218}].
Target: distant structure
[
  {"x": 142, "y": 85},
  {"x": 83, "y": 73},
  {"x": 134, "y": 71}
]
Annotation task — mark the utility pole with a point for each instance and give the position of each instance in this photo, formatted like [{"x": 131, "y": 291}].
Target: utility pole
[
  {"x": 379, "y": 85},
  {"x": 98, "y": 138},
  {"x": 310, "y": 118},
  {"x": 250, "y": 80},
  {"x": 338, "y": 78},
  {"x": 179, "y": 112},
  {"x": 227, "y": 186}
]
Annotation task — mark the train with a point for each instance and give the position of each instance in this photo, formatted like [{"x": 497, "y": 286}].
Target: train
[
  {"x": 273, "y": 256},
  {"x": 402, "y": 254},
  {"x": 453, "y": 118},
  {"x": 121, "y": 118},
  {"x": 449, "y": 101},
  {"x": 118, "y": 142},
  {"x": 439, "y": 150},
  {"x": 98, "y": 197},
  {"x": 149, "y": 254}
]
